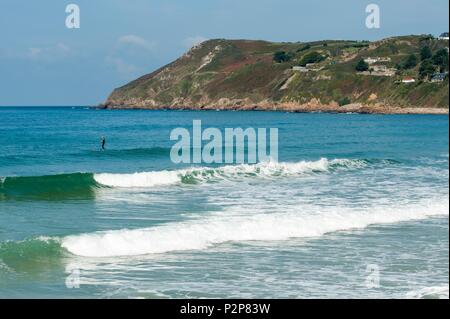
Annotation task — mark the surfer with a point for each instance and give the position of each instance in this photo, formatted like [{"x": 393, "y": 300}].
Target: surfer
[{"x": 103, "y": 141}]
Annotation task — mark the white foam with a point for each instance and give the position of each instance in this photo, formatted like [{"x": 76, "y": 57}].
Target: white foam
[
  {"x": 216, "y": 229},
  {"x": 435, "y": 292},
  {"x": 149, "y": 179},
  {"x": 203, "y": 174}
]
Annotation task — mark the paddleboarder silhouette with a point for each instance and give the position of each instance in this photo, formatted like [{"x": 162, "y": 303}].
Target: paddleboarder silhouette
[{"x": 103, "y": 142}]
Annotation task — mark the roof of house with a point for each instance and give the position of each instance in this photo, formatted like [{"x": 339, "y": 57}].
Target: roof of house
[{"x": 439, "y": 75}]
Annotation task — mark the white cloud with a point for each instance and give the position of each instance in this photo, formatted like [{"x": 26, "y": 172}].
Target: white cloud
[
  {"x": 34, "y": 53},
  {"x": 192, "y": 41},
  {"x": 129, "y": 48},
  {"x": 121, "y": 66},
  {"x": 137, "y": 41},
  {"x": 61, "y": 47},
  {"x": 47, "y": 54}
]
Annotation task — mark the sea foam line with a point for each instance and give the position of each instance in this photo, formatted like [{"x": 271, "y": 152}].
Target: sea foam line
[{"x": 203, "y": 233}]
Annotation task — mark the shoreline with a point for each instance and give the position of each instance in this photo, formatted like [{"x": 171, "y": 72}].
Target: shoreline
[{"x": 292, "y": 108}]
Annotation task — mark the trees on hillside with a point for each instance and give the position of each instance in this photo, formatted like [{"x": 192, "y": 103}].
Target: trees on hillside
[
  {"x": 410, "y": 63},
  {"x": 434, "y": 62},
  {"x": 425, "y": 53},
  {"x": 440, "y": 59},
  {"x": 304, "y": 48},
  {"x": 282, "y": 56},
  {"x": 426, "y": 69},
  {"x": 430, "y": 63},
  {"x": 362, "y": 66},
  {"x": 312, "y": 57}
]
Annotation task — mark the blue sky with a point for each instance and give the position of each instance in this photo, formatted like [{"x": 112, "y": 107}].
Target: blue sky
[{"x": 44, "y": 63}]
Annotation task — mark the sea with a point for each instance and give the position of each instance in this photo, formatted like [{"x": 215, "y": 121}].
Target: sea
[{"x": 355, "y": 206}]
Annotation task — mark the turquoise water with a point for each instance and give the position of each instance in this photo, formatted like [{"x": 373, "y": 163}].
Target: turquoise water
[{"x": 351, "y": 196}]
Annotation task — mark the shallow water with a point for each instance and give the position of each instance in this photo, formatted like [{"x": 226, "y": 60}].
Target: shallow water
[{"x": 349, "y": 194}]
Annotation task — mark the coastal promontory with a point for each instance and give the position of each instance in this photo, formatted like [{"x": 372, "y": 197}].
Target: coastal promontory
[{"x": 406, "y": 74}]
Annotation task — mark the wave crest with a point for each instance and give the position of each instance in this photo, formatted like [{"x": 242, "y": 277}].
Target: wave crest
[
  {"x": 230, "y": 172},
  {"x": 84, "y": 185},
  {"x": 228, "y": 227}
]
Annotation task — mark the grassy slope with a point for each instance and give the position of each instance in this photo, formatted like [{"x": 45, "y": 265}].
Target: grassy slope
[{"x": 242, "y": 71}]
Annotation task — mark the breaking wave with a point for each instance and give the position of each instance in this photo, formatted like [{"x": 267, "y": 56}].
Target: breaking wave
[
  {"x": 84, "y": 185},
  {"x": 231, "y": 172},
  {"x": 227, "y": 227}
]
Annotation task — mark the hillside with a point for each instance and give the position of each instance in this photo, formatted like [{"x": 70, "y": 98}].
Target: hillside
[{"x": 259, "y": 75}]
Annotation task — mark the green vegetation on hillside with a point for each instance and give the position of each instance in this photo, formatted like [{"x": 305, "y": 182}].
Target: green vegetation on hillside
[
  {"x": 440, "y": 59},
  {"x": 362, "y": 66},
  {"x": 244, "y": 72},
  {"x": 410, "y": 63},
  {"x": 312, "y": 57},
  {"x": 425, "y": 53},
  {"x": 427, "y": 68},
  {"x": 282, "y": 56}
]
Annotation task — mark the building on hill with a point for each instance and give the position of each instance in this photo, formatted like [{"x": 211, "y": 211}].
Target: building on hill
[
  {"x": 444, "y": 36},
  {"x": 307, "y": 68},
  {"x": 300, "y": 69},
  {"x": 408, "y": 79},
  {"x": 380, "y": 70},
  {"x": 370, "y": 60},
  {"x": 438, "y": 77},
  {"x": 373, "y": 60}
]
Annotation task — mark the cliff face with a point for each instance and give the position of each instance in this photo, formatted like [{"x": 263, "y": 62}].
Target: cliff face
[{"x": 242, "y": 74}]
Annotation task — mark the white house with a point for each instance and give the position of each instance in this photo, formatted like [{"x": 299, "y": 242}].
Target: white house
[
  {"x": 408, "y": 79},
  {"x": 379, "y": 68},
  {"x": 444, "y": 36},
  {"x": 371, "y": 60}
]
